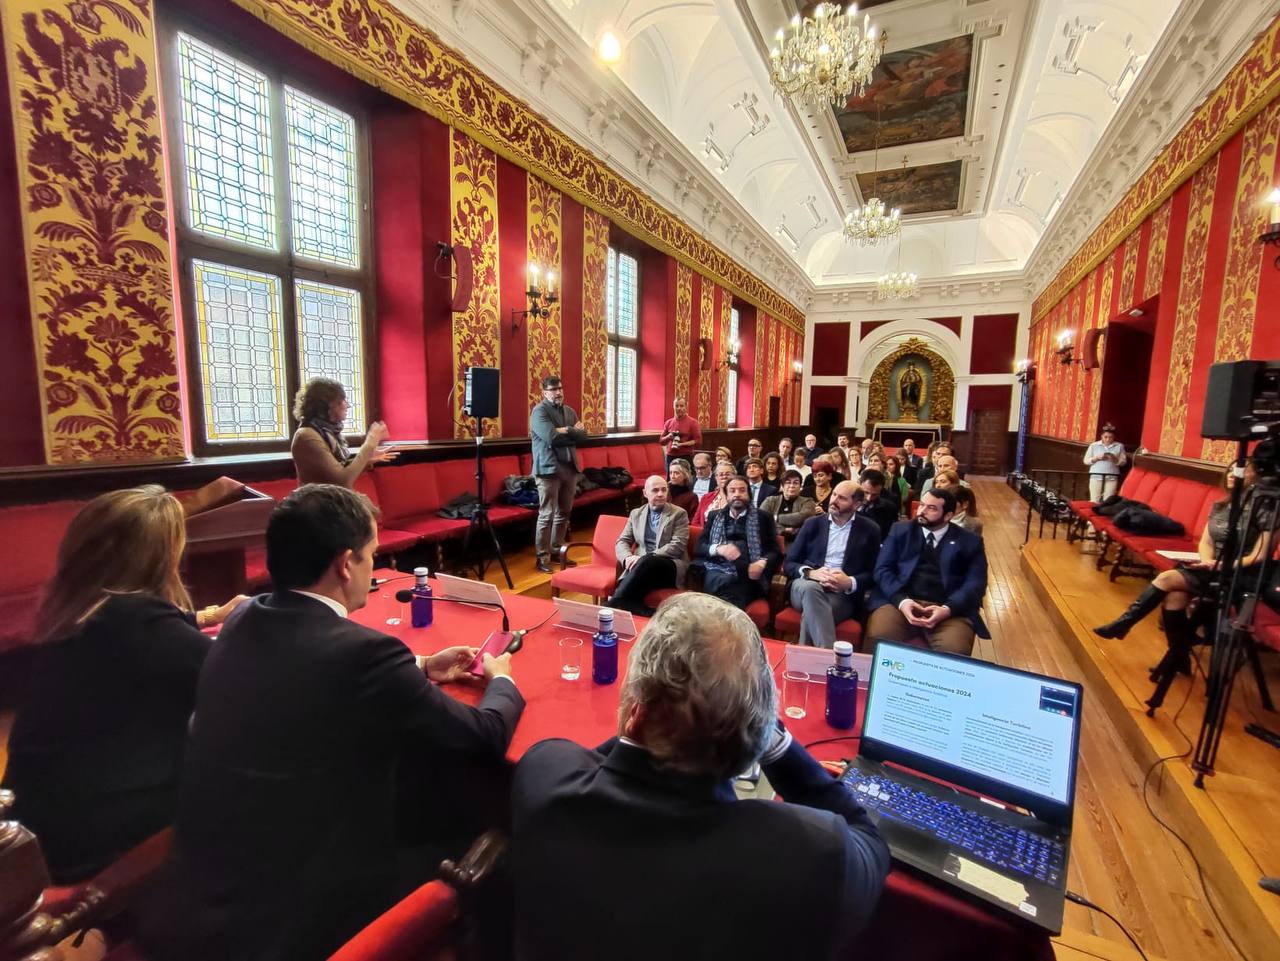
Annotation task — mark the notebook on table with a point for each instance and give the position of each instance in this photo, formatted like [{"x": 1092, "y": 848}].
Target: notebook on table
[{"x": 1010, "y": 737}]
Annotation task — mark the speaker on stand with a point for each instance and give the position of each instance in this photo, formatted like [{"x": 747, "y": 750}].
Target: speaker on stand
[{"x": 481, "y": 395}]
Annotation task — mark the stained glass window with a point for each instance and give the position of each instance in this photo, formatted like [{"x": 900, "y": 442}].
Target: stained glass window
[
  {"x": 238, "y": 314},
  {"x": 226, "y": 146},
  {"x": 330, "y": 341},
  {"x": 622, "y": 296},
  {"x": 322, "y": 180},
  {"x": 626, "y": 387},
  {"x": 731, "y": 399}
]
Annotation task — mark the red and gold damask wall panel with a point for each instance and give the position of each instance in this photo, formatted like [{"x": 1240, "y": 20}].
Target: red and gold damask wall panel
[
  {"x": 1106, "y": 290},
  {"x": 571, "y": 291},
  {"x": 543, "y": 225},
  {"x": 513, "y": 259},
  {"x": 706, "y": 332},
  {"x": 1084, "y": 322},
  {"x": 1156, "y": 247},
  {"x": 1129, "y": 269},
  {"x": 83, "y": 89},
  {"x": 473, "y": 191},
  {"x": 685, "y": 355},
  {"x": 748, "y": 325},
  {"x": 595, "y": 337},
  {"x": 760, "y": 370},
  {"x": 1238, "y": 311}
]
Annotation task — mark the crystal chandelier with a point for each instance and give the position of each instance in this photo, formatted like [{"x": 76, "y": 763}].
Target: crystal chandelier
[
  {"x": 827, "y": 58},
  {"x": 870, "y": 224},
  {"x": 898, "y": 285}
]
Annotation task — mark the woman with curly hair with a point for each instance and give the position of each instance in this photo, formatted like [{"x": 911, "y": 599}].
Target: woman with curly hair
[{"x": 319, "y": 454}]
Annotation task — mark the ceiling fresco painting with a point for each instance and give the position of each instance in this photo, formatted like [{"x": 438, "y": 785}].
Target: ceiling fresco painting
[{"x": 916, "y": 190}]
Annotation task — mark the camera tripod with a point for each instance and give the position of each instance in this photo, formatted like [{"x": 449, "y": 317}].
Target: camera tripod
[{"x": 480, "y": 526}]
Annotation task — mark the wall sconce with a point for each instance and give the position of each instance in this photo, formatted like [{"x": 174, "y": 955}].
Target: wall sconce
[
  {"x": 730, "y": 356},
  {"x": 1025, "y": 371},
  {"x": 1066, "y": 349},
  {"x": 1271, "y": 236},
  {"x": 797, "y": 368},
  {"x": 541, "y": 298}
]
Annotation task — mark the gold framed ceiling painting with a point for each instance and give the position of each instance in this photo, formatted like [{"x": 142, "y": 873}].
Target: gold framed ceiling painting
[
  {"x": 930, "y": 188},
  {"x": 920, "y": 94}
]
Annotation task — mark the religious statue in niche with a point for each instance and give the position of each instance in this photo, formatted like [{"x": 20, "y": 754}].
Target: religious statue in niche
[{"x": 911, "y": 395}]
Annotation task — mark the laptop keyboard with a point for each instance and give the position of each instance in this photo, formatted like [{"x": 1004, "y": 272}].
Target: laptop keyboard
[{"x": 1000, "y": 844}]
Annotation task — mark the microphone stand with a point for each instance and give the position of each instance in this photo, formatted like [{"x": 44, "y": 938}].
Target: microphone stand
[{"x": 517, "y": 637}]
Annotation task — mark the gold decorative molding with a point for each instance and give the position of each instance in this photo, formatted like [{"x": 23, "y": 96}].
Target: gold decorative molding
[
  {"x": 381, "y": 45},
  {"x": 942, "y": 388}
]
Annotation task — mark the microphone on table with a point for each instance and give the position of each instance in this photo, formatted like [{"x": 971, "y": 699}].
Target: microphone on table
[{"x": 511, "y": 641}]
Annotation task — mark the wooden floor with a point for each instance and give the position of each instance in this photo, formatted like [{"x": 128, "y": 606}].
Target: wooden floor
[{"x": 1121, "y": 859}]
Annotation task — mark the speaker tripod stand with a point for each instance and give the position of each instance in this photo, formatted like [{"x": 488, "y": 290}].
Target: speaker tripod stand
[{"x": 480, "y": 532}]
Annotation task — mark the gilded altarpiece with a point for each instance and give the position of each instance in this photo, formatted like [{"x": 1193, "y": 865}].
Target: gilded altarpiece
[
  {"x": 543, "y": 232},
  {"x": 595, "y": 333},
  {"x": 83, "y": 85},
  {"x": 473, "y": 183},
  {"x": 941, "y": 383}
]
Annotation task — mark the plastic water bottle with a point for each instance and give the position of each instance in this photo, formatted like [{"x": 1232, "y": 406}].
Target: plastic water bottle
[
  {"x": 842, "y": 688},
  {"x": 420, "y": 608},
  {"x": 604, "y": 650}
]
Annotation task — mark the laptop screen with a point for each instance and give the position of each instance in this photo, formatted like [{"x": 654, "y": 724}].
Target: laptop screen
[{"x": 1006, "y": 733}]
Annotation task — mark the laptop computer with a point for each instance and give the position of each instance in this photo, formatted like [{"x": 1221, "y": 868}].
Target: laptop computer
[
  {"x": 1011, "y": 737},
  {"x": 579, "y": 616}
]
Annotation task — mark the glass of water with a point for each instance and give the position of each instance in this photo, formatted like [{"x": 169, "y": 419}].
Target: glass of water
[
  {"x": 570, "y": 658},
  {"x": 795, "y": 694},
  {"x": 395, "y": 607}
]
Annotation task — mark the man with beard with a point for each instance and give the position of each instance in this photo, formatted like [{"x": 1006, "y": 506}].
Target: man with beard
[
  {"x": 555, "y": 432},
  {"x": 738, "y": 548}
]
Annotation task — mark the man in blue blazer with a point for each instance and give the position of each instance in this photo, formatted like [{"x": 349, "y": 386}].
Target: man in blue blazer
[
  {"x": 830, "y": 563},
  {"x": 930, "y": 580}
]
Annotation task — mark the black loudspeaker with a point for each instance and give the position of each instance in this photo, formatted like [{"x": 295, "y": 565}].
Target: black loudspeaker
[
  {"x": 1228, "y": 399},
  {"x": 480, "y": 398}
]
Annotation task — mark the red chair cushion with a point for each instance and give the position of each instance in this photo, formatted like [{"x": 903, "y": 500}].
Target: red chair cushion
[
  {"x": 594, "y": 579},
  {"x": 496, "y": 471},
  {"x": 758, "y": 611},
  {"x": 432, "y": 527},
  {"x": 418, "y": 928},
  {"x": 1145, "y": 486},
  {"x": 406, "y": 492},
  {"x": 36, "y": 531},
  {"x": 787, "y": 621}
]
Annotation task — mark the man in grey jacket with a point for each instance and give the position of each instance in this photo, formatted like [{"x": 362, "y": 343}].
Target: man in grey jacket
[
  {"x": 653, "y": 549},
  {"x": 555, "y": 431}
]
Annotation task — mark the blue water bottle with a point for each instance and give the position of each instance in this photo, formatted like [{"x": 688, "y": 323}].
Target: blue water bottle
[
  {"x": 604, "y": 650},
  {"x": 842, "y": 688},
  {"x": 420, "y": 608}
]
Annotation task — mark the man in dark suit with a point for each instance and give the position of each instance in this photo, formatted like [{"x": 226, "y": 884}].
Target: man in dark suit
[
  {"x": 929, "y": 469},
  {"x": 754, "y": 449},
  {"x": 738, "y": 549},
  {"x": 875, "y": 506},
  {"x": 830, "y": 565},
  {"x": 758, "y": 488},
  {"x": 811, "y": 449},
  {"x": 912, "y": 465},
  {"x": 930, "y": 580},
  {"x": 286, "y": 842},
  {"x": 652, "y": 549},
  {"x": 650, "y": 817}
]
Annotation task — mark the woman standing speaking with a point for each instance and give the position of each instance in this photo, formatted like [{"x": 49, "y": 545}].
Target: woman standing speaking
[{"x": 319, "y": 454}]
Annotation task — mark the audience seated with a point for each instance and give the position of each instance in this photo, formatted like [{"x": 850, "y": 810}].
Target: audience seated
[
  {"x": 800, "y": 462},
  {"x": 876, "y": 506},
  {"x": 930, "y": 466},
  {"x": 912, "y": 463},
  {"x": 790, "y": 508},
  {"x": 785, "y": 446},
  {"x": 680, "y": 487},
  {"x": 703, "y": 479},
  {"x": 966, "y": 514},
  {"x": 830, "y": 566},
  {"x": 759, "y": 488},
  {"x": 839, "y": 463},
  {"x": 715, "y": 498},
  {"x": 286, "y": 840},
  {"x": 930, "y": 579},
  {"x": 95, "y": 753},
  {"x": 774, "y": 468},
  {"x": 738, "y": 549},
  {"x": 821, "y": 482},
  {"x": 944, "y": 461},
  {"x": 754, "y": 449},
  {"x": 895, "y": 482},
  {"x": 811, "y": 449},
  {"x": 649, "y": 822},
  {"x": 652, "y": 549}
]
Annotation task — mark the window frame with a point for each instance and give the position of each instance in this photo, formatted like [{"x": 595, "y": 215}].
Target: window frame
[
  {"x": 191, "y": 245},
  {"x": 734, "y": 369},
  {"x": 618, "y": 342}
]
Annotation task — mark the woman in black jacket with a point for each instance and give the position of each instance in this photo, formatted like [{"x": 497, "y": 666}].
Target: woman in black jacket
[{"x": 96, "y": 749}]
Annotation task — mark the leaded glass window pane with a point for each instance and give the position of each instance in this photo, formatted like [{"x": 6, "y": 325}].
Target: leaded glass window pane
[
  {"x": 626, "y": 387},
  {"x": 329, "y": 342},
  {"x": 611, "y": 293},
  {"x": 611, "y": 387},
  {"x": 628, "y": 296},
  {"x": 733, "y": 324},
  {"x": 322, "y": 180},
  {"x": 226, "y": 149},
  {"x": 238, "y": 316},
  {"x": 731, "y": 403}
]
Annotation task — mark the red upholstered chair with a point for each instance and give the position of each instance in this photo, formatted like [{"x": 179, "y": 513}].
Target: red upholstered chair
[
  {"x": 787, "y": 621},
  {"x": 599, "y": 576}
]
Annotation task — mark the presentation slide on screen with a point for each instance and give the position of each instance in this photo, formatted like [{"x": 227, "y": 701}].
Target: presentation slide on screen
[{"x": 1008, "y": 727}]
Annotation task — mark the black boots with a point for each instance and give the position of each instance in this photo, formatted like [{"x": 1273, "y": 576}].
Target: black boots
[
  {"x": 1180, "y": 632},
  {"x": 1147, "y": 602}
]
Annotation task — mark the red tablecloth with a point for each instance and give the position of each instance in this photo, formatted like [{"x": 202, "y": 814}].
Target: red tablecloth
[{"x": 588, "y": 714}]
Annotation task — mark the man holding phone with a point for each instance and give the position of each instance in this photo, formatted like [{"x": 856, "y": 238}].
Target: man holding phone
[{"x": 930, "y": 579}]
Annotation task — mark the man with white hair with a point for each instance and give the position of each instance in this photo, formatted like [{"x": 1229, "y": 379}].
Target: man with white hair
[
  {"x": 943, "y": 462},
  {"x": 652, "y": 549},
  {"x": 649, "y": 819}
]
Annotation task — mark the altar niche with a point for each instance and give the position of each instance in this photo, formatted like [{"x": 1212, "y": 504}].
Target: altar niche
[{"x": 912, "y": 385}]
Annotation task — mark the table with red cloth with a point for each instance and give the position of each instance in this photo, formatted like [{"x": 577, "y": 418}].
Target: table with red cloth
[{"x": 917, "y": 918}]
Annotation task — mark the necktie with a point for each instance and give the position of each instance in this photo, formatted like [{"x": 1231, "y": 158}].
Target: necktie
[{"x": 928, "y": 539}]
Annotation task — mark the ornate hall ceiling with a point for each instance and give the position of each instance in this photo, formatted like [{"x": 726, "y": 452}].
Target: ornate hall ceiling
[{"x": 1006, "y": 128}]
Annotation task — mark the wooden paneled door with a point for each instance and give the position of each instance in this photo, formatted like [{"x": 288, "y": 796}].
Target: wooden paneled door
[{"x": 987, "y": 446}]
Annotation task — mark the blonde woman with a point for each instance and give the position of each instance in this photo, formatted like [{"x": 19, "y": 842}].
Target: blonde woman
[{"x": 96, "y": 748}]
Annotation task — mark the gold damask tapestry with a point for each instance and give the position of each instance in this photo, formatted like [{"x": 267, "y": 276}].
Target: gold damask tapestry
[
  {"x": 1129, "y": 272},
  {"x": 595, "y": 334},
  {"x": 473, "y": 186},
  {"x": 726, "y": 318},
  {"x": 1244, "y": 254},
  {"x": 1182, "y": 356},
  {"x": 684, "y": 328},
  {"x": 706, "y": 329},
  {"x": 543, "y": 230},
  {"x": 82, "y": 78},
  {"x": 760, "y": 372},
  {"x": 1104, "y": 309},
  {"x": 1156, "y": 248}
]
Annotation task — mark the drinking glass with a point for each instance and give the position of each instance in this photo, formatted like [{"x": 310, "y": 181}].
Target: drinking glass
[
  {"x": 396, "y": 607},
  {"x": 570, "y": 658},
  {"x": 795, "y": 693}
]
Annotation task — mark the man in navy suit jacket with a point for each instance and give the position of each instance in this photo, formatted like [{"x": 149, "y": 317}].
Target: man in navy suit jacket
[
  {"x": 930, "y": 580},
  {"x": 830, "y": 564}
]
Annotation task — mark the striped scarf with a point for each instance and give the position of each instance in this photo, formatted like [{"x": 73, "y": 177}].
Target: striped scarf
[
  {"x": 332, "y": 434},
  {"x": 754, "y": 553}
]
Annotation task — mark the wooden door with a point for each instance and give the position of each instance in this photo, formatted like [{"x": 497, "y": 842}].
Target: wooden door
[{"x": 990, "y": 430}]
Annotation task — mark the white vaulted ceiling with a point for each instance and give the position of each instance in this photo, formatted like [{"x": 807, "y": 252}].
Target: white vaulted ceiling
[{"x": 994, "y": 158}]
